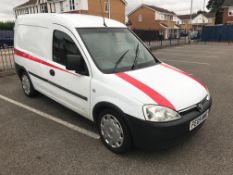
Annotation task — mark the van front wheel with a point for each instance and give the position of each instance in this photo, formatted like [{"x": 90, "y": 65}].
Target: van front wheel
[
  {"x": 27, "y": 86},
  {"x": 114, "y": 132}
]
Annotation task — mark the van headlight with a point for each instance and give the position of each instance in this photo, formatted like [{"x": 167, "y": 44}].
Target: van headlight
[{"x": 155, "y": 113}]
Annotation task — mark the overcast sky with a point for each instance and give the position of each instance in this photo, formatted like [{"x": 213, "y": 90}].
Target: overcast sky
[{"x": 178, "y": 6}]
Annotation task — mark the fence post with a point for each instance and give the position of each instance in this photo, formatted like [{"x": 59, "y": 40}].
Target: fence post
[{"x": 2, "y": 60}]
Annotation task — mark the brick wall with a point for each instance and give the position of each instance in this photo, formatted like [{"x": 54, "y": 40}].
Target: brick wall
[
  {"x": 226, "y": 18},
  {"x": 117, "y": 9},
  {"x": 148, "y": 19}
]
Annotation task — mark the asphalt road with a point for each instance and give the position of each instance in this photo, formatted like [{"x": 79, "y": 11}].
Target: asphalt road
[{"x": 31, "y": 144}]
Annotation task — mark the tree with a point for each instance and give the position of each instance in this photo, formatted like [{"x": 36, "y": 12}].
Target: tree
[
  {"x": 7, "y": 25},
  {"x": 215, "y": 6}
]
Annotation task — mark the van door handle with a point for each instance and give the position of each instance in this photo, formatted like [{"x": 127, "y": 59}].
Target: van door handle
[{"x": 52, "y": 72}]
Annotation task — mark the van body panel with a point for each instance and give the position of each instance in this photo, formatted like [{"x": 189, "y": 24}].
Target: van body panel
[
  {"x": 139, "y": 92},
  {"x": 108, "y": 91},
  {"x": 179, "y": 89}
]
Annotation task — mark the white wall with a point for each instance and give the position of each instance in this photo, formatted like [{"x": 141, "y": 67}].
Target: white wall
[
  {"x": 177, "y": 20},
  {"x": 230, "y": 11},
  {"x": 79, "y": 5},
  {"x": 159, "y": 16},
  {"x": 200, "y": 19}
]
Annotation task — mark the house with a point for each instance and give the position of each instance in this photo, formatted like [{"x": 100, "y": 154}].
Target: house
[
  {"x": 114, "y": 9},
  {"x": 228, "y": 11},
  {"x": 148, "y": 17},
  {"x": 196, "y": 21}
]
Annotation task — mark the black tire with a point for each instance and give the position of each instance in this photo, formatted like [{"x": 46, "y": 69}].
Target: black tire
[
  {"x": 30, "y": 91},
  {"x": 127, "y": 141}
]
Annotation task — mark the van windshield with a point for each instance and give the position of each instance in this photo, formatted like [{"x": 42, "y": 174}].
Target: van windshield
[{"x": 116, "y": 49}]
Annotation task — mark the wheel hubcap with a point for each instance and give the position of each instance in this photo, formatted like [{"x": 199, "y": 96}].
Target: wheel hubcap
[
  {"x": 26, "y": 84},
  {"x": 112, "y": 131}
]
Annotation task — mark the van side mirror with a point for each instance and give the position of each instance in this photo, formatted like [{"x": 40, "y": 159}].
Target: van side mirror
[{"x": 75, "y": 62}]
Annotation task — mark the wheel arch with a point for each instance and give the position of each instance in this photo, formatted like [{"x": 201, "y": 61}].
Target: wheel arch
[
  {"x": 104, "y": 105},
  {"x": 19, "y": 70},
  {"x": 108, "y": 105}
]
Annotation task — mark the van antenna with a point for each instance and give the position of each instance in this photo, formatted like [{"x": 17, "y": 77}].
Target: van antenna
[{"x": 102, "y": 11}]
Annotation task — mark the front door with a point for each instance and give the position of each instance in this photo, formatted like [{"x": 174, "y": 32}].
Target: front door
[{"x": 65, "y": 86}]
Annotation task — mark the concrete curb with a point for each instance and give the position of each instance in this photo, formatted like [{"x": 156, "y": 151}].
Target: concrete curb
[{"x": 7, "y": 73}]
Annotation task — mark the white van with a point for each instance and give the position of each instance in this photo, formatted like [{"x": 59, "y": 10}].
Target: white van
[{"x": 106, "y": 74}]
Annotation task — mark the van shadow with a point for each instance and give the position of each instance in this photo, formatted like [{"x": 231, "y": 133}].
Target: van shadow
[{"x": 51, "y": 107}]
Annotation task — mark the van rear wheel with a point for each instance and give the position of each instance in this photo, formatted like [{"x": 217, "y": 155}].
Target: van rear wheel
[
  {"x": 113, "y": 131},
  {"x": 27, "y": 86}
]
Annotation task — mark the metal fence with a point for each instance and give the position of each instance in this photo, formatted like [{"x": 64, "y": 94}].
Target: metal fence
[
  {"x": 155, "y": 39},
  {"x": 156, "y": 44},
  {"x": 7, "y": 59}
]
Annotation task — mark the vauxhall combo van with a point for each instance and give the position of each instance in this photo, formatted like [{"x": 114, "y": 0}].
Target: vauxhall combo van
[{"x": 104, "y": 72}]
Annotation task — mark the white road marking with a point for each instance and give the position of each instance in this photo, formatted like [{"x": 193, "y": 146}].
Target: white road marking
[
  {"x": 53, "y": 118},
  {"x": 183, "y": 61}
]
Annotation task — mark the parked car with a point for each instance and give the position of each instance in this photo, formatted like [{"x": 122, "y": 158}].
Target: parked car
[
  {"x": 102, "y": 71},
  {"x": 183, "y": 34},
  {"x": 195, "y": 35}
]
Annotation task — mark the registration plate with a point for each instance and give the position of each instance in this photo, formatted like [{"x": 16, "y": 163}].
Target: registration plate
[{"x": 197, "y": 121}]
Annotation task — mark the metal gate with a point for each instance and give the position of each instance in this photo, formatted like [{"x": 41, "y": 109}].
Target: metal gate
[
  {"x": 6, "y": 59},
  {"x": 217, "y": 33}
]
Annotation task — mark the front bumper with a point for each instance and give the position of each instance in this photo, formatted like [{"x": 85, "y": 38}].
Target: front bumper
[{"x": 151, "y": 134}]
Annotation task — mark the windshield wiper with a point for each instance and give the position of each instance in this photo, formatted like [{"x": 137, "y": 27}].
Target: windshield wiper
[
  {"x": 136, "y": 57},
  {"x": 120, "y": 60}
]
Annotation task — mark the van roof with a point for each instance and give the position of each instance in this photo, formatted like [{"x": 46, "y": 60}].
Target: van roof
[{"x": 67, "y": 20}]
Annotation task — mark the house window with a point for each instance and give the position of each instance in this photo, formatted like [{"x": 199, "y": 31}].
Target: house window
[
  {"x": 61, "y": 6},
  {"x": 43, "y": 8},
  {"x": 162, "y": 16},
  {"x": 230, "y": 11},
  {"x": 26, "y": 11},
  {"x": 139, "y": 18},
  {"x": 106, "y": 6},
  {"x": 72, "y": 5},
  {"x": 52, "y": 8}
]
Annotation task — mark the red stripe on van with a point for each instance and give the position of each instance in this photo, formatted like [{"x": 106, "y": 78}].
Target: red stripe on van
[
  {"x": 38, "y": 60},
  {"x": 158, "y": 98},
  {"x": 177, "y": 70}
]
